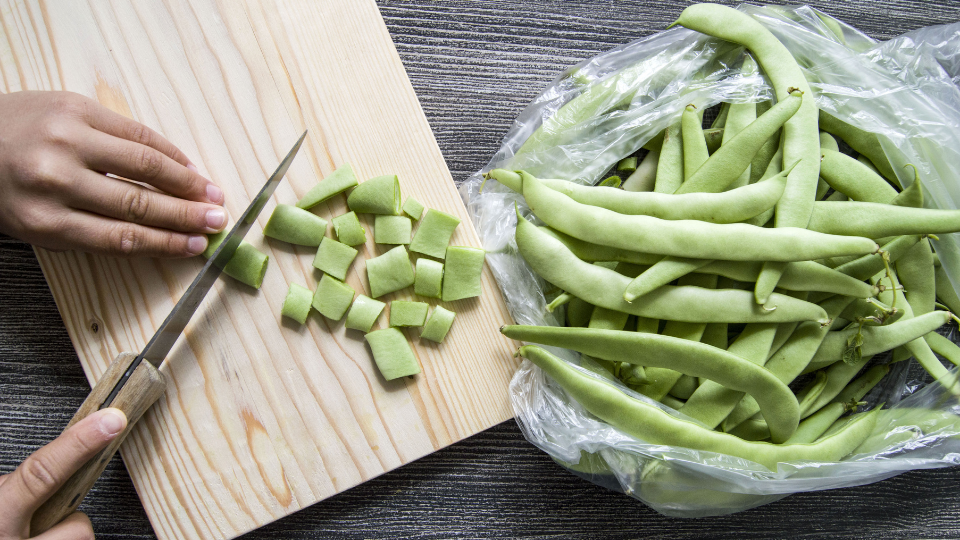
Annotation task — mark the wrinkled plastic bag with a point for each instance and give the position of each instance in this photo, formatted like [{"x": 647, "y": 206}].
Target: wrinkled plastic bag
[{"x": 904, "y": 89}]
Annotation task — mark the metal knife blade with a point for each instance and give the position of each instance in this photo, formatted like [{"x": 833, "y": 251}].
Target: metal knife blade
[{"x": 166, "y": 336}]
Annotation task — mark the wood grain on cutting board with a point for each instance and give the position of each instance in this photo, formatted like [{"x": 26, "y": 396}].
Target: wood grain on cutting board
[{"x": 261, "y": 417}]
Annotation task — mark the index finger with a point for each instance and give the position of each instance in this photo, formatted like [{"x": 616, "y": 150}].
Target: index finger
[{"x": 45, "y": 471}]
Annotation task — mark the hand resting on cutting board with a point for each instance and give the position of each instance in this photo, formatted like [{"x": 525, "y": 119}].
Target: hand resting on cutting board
[
  {"x": 76, "y": 175},
  {"x": 41, "y": 475},
  {"x": 64, "y": 161}
]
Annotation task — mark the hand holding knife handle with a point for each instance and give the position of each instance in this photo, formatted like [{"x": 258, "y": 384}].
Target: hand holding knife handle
[
  {"x": 143, "y": 388},
  {"x": 132, "y": 385}
]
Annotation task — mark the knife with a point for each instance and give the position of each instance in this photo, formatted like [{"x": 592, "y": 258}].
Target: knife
[{"x": 132, "y": 385}]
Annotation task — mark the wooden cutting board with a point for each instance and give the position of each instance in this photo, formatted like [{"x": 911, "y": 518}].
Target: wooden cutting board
[{"x": 261, "y": 417}]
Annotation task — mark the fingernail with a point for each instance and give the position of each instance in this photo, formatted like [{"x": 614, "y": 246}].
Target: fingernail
[
  {"x": 216, "y": 218},
  {"x": 214, "y": 194},
  {"x": 112, "y": 421},
  {"x": 196, "y": 244},
  {"x": 192, "y": 167}
]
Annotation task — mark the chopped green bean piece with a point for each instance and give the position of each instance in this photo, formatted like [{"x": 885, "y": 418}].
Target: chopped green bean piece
[
  {"x": 627, "y": 165},
  {"x": 438, "y": 324},
  {"x": 412, "y": 208},
  {"x": 613, "y": 181},
  {"x": 339, "y": 181},
  {"x": 348, "y": 229},
  {"x": 297, "y": 303},
  {"x": 364, "y": 313},
  {"x": 380, "y": 195},
  {"x": 433, "y": 235},
  {"x": 248, "y": 264},
  {"x": 334, "y": 258},
  {"x": 428, "y": 277},
  {"x": 462, "y": 272},
  {"x": 392, "y": 354},
  {"x": 389, "y": 272},
  {"x": 405, "y": 313},
  {"x": 392, "y": 229},
  {"x": 296, "y": 226},
  {"x": 332, "y": 298}
]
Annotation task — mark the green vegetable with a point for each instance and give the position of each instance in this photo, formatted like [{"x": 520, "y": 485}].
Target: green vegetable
[
  {"x": 405, "y": 313},
  {"x": 654, "y": 426},
  {"x": 334, "y": 258},
  {"x": 627, "y": 165},
  {"x": 438, "y": 324},
  {"x": 392, "y": 230},
  {"x": 296, "y": 226},
  {"x": 380, "y": 195},
  {"x": 462, "y": 273},
  {"x": 777, "y": 402},
  {"x": 428, "y": 278},
  {"x": 339, "y": 181},
  {"x": 333, "y": 297},
  {"x": 389, "y": 272},
  {"x": 297, "y": 303},
  {"x": 434, "y": 233},
  {"x": 248, "y": 264},
  {"x": 363, "y": 313},
  {"x": 392, "y": 354},
  {"x": 412, "y": 208},
  {"x": 348, "y": 229}
]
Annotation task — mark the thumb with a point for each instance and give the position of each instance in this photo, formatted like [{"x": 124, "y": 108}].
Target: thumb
[{"x": 45, "y": 471}]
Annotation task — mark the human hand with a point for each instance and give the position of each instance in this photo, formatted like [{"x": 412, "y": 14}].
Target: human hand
[
  {"x": 56, "y": 149},
  {"x": 42, "y": 474}
]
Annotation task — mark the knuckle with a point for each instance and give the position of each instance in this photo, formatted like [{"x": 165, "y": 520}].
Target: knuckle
[
  {"x": 37, "y": 476},
  {"x": 56, "y": 131},
  {"x": 70, "y": 103},
  {"x": 125, "y": 240},
  {"x": 141, "y": 134},
  {"x": 40, "y": 170},
  {"x": 135, "y": 205},
  {"x": 148, "y": 162},
  {"x": 39, "y": 222}
]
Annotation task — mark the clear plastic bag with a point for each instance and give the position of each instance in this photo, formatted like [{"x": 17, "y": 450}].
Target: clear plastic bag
[{"x": 905, "y": 90}]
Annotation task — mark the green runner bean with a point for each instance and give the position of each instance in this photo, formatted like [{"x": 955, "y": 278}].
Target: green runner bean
[
  {"x": 864, "y": 142},
  {"x": 654, "y": 426},
  {"x": 695, "y": 152},
  {"x": 644, "y": 178},
  {"x": 551, "y": 260},
  {"x": 874, "y": 220},
  {"x": 684, "y": 238},
  {"x": 877, "y": 339},
  {"x": 777, "y": 402},
  {"x": 726, "y": 207},
  {"x": 734, "y": 157},
  {"x": 670, "y": 164}
]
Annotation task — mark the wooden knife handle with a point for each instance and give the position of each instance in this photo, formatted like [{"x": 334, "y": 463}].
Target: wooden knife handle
[{"x": 142, "y": 389}]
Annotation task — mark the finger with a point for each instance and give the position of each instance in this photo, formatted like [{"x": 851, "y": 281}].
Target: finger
[
  {"x": 110, "y": 122},
  {"x": 144, "y": 163},
  {"x": 115, "y": 238},
  {"x": 76, "y": 526},
  {"x": 42, "y": 474},
  {"x": 3, "y": 478},
  {"x": 127, "y": 201}
]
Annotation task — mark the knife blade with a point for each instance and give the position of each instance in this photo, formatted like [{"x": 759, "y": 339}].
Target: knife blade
[
  {"x": 134, "y": 385},
  {"x": 169, "y": 331}
]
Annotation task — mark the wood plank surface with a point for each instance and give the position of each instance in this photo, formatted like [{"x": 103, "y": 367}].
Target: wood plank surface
[
  {"x": 474, "y": 65},
  {"x": 261, "y": 417}
]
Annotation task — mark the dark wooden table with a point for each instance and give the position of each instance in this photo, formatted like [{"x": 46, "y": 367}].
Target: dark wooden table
[{"x": 474, "y": 64}]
